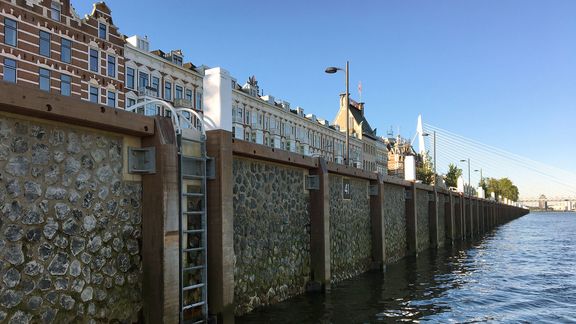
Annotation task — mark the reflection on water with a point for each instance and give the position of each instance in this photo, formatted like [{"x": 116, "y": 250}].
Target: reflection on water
[{"x": 524, "y": 271}]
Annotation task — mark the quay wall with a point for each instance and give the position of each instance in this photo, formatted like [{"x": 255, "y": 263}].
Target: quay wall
[{"x": 82, "y": 239}]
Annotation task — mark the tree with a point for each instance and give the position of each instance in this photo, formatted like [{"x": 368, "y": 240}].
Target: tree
[
  {"x": 502, "y": 187},
  {"x": 452, "y": 176},
  {"x": 424, "y": 170}
]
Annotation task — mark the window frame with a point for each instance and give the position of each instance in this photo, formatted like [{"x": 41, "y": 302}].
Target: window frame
[
  {"x": 44, "y": 44},
  {"x": 114, "y": 98},
  {"x": 100, "y": 30},
  {"x": 12, "y": 29},
  {"x": 111, "y": 66},
  {"x": 68, "y": 50},
  {"x": 155, "y": 84},
  {"x": 140, "y": 78},
  {"x": 12, "y": 68},
  {"x": 90, "y": 88},
  {"x": 167, "y": 90},
  {"x": 130, "y": 85},
  {"x": 189, "y": 94},
  {"x": 44, "y": 78},
  {"x": 198, "y": 101},
  {"x": 62, "y": 82},
  {"x": 179, "y": 90},
  {"x": 53, "y": 6},
  {"x": 94, "y": 68}
]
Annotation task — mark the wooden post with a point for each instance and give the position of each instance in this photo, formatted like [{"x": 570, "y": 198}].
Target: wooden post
[
  {"x": 411, "y": 220},
  {"x": 320, "y": 227},
  {"x": 221, "y": 227},
  {"x": 377, "y": 224}
]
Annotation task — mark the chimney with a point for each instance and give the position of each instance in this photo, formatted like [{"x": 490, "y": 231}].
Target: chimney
[{"x": 361, "y": 108}]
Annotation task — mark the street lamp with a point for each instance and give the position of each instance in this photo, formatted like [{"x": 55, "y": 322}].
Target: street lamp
[
  {"x": 434, "y": 139},
  {"x": 481, "y": 177},
  {"x": 332, "y": 70},
  {"x": 468, "y": 171}
]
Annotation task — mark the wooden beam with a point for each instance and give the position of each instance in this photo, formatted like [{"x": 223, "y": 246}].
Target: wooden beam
[{"x": 32, "y": 102}]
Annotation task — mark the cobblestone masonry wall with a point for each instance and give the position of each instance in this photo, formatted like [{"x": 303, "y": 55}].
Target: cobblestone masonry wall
[
  {"x": 441, "y": 220},
  {"x": 271, "y": 233},
  {"x": 395, "y": 222},
  {"x": 423, "y": 227},
  {"x": 350, "y": 234},
  {"x": 69, "y": 226}
]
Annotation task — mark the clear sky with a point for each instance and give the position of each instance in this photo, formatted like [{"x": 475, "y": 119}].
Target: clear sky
[{"x": 499, "y": 72}]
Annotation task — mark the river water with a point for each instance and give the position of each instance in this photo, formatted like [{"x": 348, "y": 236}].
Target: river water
[{"x": 523, "y": 271}]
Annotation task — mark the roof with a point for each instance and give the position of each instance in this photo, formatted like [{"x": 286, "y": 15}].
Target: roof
[{"x": 359, "y": 117}]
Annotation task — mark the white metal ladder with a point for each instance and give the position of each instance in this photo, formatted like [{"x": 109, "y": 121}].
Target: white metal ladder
[{"x": 192, "y": 224}]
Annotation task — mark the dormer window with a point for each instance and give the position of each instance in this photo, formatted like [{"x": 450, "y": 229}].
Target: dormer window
[
  {"x": 55, "y": 10},
  {"x": 177, "y": 60},
  {"x": 102, "y": 30}
]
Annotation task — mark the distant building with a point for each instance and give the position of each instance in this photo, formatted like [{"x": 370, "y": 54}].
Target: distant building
[
  {"x": 398, "y": 149},
  {"x": 542, "y": 202},
  {"x": 46, "y": 45}
]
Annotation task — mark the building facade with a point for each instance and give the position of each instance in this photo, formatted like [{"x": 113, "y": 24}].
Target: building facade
[
  {"x": 159, "y": 75},
  {"x": 45, "y": 44}
]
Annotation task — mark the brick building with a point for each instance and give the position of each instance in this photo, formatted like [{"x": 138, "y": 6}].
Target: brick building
[{"x": 45, "y": 44}]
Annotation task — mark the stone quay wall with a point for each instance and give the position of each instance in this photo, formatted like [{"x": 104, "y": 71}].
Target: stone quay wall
[
  {"x": 395, "y": 222},
  {"x": 70, "y": 225},
  {"x": 271, "y": 233},
  {"x": 350, "y": 237}
]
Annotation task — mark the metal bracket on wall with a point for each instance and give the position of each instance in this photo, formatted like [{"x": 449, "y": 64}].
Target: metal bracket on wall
[
  {"x": 312, "y": 182},
  {"x": 373, "y": 190},
  {"x": 142, "y": 160}
]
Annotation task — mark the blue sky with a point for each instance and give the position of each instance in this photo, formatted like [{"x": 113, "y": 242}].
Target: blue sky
[{"x": 500, "y": 72}]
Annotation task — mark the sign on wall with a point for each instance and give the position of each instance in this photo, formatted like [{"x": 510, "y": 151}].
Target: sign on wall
[{"x": 346, "y": 189}]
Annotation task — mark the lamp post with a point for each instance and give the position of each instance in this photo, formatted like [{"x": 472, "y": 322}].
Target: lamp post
[
  {"x": 332, "y": 70},
  {"x": 468, "y": 172},
  {"x": 481, "y": 177},
  {"x": 434, "y": 139}
]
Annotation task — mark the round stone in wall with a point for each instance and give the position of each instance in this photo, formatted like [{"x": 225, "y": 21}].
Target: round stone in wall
[
  {"x": 59, "y": 264},
  {"x": 11, "y": 278}
]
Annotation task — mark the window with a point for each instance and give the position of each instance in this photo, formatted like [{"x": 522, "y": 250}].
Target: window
[
  {"x": 178, "y": 94},
  {"x": 199, "y": 100},
  {"x": 9, "y": 70},
  {"x": 156, "y": 85},
  {"x": 44, "y": 43},
  {"x": 167, "y": 90},
  {"x": 55, "y": 11},
  {"x": 130, "y": 102},
  {"x": 129, "y": 78},
  {"x": 94, "y": 94},
  {"x": 111, "y": 98},
  {"x": 10, "y": 31},
  {"x": 111, "y": 66},
  {"x": 189, "y": 95},
  {"x": 65, "y": 84},
  {"x": 94, "y": 60},
  {"x": 66, "y": 51},
  {"x": 142, "y": 80},
  {"x": 44, "y": 79},
  {"x": 102, "y": 30},
  {"x": 177, "y": 60}
]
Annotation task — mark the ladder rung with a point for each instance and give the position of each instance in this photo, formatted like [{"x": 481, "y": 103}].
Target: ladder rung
[
  {"x": 192, "y": 176},
  {"x": 193, "y": 213},
  {"x": 193, "y": 287},
  {"x": 193, "y": 249},
  {"x": 194, "y": 231},
  {"x": 193, "y": 268},
  {"x": 193, "y": 194},
  {"x": 187, "y": 307}
]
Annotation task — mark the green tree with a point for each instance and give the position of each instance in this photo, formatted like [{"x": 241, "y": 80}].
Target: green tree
[
  {"x": 502, "y": 187},
  {"x": 452, "y": 175},
  {"x": 425, "y": 170}
]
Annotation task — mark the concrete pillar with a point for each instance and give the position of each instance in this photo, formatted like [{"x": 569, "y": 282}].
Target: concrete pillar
[
  {"x": 458, "y": 217},
  {"x": 160, "y": 210},
  {"x": 221, "y": 228},
  {"x": 433, "y": 220},
  {"x": 411, "y": 220},
  {"x": 377, "y": 224},
  {"x": 468, "y": 218},
  {"x": 320, "y": 227}
]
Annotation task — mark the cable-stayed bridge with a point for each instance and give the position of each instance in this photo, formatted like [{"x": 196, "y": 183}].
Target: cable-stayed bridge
[{"x": 533, "y": 178}]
